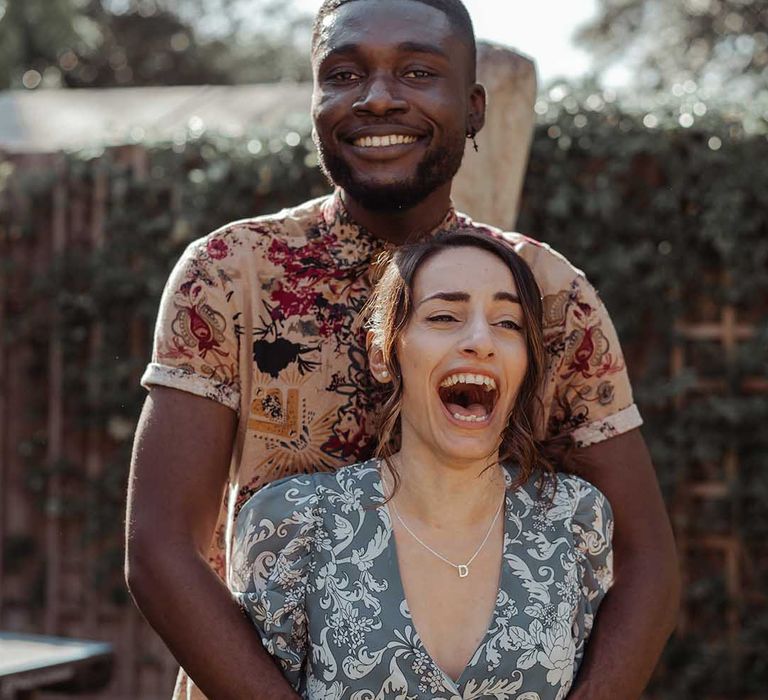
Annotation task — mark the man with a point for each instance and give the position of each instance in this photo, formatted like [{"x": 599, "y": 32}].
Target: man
[{"x": 259, "y": 370}]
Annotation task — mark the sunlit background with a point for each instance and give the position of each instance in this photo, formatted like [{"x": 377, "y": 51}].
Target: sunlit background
[
  {"x": 543, "y": 30},
  {"x": 130, "y": 127},
  {"x": 640, "y": 45}
]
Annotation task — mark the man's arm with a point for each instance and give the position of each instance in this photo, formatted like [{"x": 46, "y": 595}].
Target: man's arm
[
  {"x": 178, "y": 473},
  {"x": 639, "y": 612}
]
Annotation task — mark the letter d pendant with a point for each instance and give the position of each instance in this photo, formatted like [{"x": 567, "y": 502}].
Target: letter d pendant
[{"x": 463, "y": 570}]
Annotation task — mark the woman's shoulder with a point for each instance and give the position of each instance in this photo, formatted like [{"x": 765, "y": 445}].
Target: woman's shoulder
[
  {"x": 584, "y": 498},
  {"x": 353, "y": 486},
  {"x": 562, "y": 496}
]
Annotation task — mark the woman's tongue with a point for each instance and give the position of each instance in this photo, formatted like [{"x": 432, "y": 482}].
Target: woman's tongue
[{"x": 474, "y": 409}]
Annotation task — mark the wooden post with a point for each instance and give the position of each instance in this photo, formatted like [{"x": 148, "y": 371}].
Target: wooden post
[
  {"x": 489, "y": 183},
  {"x": 54, "y": 451},
  {"x": 5, "y": 255},
  {"x": 94, "y": 441}
]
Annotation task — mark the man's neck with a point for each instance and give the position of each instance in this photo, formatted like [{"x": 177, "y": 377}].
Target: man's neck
[{"x": 399, "y": 225}]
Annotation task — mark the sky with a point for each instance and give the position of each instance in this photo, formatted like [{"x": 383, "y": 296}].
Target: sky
[{"x": 540, "y": 29}]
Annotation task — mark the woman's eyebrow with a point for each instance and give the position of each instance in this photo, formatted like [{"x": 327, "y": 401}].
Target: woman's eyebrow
[
  {"x": 464, "y": 296},
  {"x": 446, "y": 296},
  {"x": 506, "y": 296}
]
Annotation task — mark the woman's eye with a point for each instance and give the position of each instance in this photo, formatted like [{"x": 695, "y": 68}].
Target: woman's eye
[
  {"x": 441, "y": 318},
  {"x": 510, "y": 324}
]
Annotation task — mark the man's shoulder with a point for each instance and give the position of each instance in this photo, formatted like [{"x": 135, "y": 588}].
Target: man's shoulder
[
  {"x": 553, "y": 271},
  {"x": 291, "y": 224}
]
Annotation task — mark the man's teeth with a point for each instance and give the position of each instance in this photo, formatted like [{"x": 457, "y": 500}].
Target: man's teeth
[
  {"x": 488, "y": 382},
  {"x": 380, "y": 141}
]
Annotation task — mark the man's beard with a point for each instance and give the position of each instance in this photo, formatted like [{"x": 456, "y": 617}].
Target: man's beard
[{"x": 436, "y": 168}]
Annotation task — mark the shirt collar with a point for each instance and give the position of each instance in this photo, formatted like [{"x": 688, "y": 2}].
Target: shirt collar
[{"x": 343, "y": 227}]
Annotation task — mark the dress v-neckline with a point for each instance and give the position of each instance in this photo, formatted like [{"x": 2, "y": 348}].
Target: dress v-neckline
[{"x": 398, "y": 579}]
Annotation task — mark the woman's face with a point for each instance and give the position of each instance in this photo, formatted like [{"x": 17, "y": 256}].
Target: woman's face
[{"x": 462, "y": 354}]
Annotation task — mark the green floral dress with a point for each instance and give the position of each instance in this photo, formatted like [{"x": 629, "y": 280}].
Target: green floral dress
[{"x": 315, "y": 567}]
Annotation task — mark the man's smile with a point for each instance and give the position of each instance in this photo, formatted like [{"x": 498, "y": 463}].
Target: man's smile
[
  {"x": 383, "y": 141},
  {"x": 389, "y": 140}
]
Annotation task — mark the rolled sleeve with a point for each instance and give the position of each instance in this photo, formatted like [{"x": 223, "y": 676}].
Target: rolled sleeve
[
  {"x": 186, "y": 379},
  {"x": 622, "y": 422}
]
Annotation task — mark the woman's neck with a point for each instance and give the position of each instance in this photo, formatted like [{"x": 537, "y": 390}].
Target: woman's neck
[{"x": 442, "y": 493}]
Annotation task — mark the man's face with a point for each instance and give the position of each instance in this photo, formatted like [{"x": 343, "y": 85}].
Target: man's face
[{"x": 393, "y": 101}]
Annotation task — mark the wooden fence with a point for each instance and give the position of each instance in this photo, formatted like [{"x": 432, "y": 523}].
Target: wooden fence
[
  {"x": 48, "y": 564},
  {"x": 707, "y": 509}
]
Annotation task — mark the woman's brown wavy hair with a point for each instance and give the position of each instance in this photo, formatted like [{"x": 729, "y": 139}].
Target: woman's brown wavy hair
[{"x": 389, "y": 310}]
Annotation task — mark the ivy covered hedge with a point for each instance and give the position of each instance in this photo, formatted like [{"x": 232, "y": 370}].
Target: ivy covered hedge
[{"x": 668, "y": 222}]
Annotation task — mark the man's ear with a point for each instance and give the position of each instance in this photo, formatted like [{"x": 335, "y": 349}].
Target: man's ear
[
  {"x": 376, "y": 360},
  {"x": 477, "y": 106}
]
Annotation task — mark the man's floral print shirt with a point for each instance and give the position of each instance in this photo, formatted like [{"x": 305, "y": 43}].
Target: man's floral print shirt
[{"x": 260, "y": 316}]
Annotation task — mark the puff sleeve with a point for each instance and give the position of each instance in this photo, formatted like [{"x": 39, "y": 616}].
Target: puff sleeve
[
  {"x": 592, "y": 528},
  {"x": 272, "y": 558}
]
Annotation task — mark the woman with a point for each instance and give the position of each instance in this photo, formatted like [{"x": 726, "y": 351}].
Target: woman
[{"x": 455, "y": 564}]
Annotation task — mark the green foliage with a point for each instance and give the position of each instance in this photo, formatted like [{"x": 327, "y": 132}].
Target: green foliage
[
  {"x": 667, "y": 222},
  {"x": 103, "y": 43},
  {"x": 720, "y": 42}
]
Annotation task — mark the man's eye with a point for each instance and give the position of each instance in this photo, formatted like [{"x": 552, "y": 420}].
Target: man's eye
[
  {"x": 342, "y": 76},
  {"x": 418, "y": 73}
]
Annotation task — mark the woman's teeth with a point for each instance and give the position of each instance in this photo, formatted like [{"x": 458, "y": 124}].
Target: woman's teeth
[
  {"x": 380, "y": 141},
  {"x": 470, "y": 418},
  {"x": 488, "y": 382}
]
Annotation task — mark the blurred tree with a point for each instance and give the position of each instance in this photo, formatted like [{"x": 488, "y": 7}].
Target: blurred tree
[
  {"x": 266, "y": 40},
  {"x": 719, "y": 43},
  {"x": 35, "y": 33},
  {"x": 105, "y": 43}
]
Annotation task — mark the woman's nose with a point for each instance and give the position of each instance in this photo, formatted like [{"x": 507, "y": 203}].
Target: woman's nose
[
  {"x": 479, "y": 340},
  {"x": 380, "y": 97}
]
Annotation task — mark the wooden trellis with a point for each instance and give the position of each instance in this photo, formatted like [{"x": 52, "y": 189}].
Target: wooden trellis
[{"x": 717, "y": 550}]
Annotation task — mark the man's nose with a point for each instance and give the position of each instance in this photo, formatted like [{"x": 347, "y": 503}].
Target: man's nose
[
  {"x": 478, "y": 341},
  {"x": 380, "y": 96}
]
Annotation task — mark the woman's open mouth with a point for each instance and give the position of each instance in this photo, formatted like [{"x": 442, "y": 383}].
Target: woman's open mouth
[{"x": 469, "y": 398}]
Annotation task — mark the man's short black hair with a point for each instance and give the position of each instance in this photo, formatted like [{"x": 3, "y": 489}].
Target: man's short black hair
[{"x": 453, "y": 9}]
